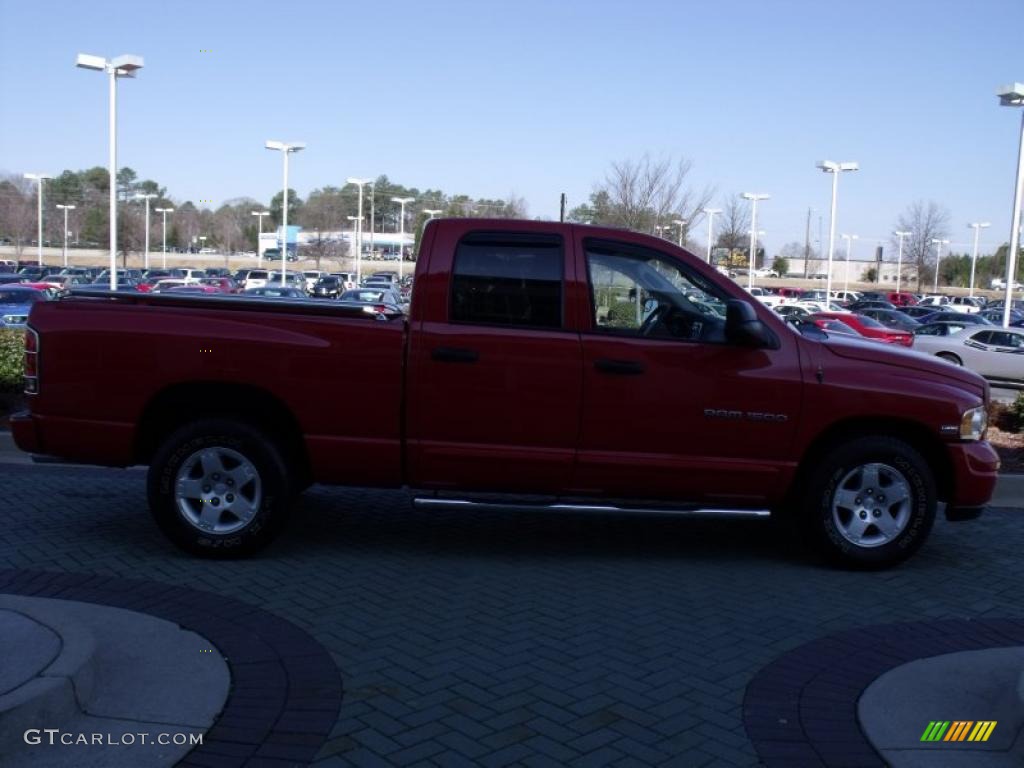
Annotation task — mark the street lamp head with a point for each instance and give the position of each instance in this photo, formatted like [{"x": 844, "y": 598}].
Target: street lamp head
[
  {"x": 164, "y": 210},
  {"x": 275, "y": 145},
  {"x": 38, "y": 176},
  {"x": 712, "y": 211},
  {"x": 402, "y": 200},
  {"x": 1011, "y": 95},
  {"x": 849, "y": 166},
  {"x": 755, "y": 196},
  {"x": 141, "y": 196},
  {"x": 296, "y": 146},
  {"x": 679, "y": 222},
  {"x": 126, "y": 65},
  {"x": 980, "y": 224},
  {"x": 260, "y": 213},
  {"x": 65, "y": 207},
  {"x": 357, "y": 182},
  {"x": 88, "y": 61},
  {"x": 903, "y": 234},
  {"x": 433, "y": 211},
  {"x": 827, "y": 166}
]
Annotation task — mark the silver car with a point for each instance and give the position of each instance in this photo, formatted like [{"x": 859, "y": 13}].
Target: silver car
[{"x": 996, "y": 353}]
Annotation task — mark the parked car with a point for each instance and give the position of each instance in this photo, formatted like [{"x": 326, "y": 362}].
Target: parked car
[
  {"x": 527, "y": 374},
  {"x": 901, "y": 298},
  {"x": 348, "y": 279},
  {"x": 995, "y": 316},
  {"x": 857, "y": 306},
  {"x": 167, "y": 283},
  {"x": 892, "y": 318},
  {"x": 372, "y": 300},
  {"x": 845, "y": 297},
  {"x": 792, "y": 311},
  {"x": 935, "y": 300},
  {"x": 966, "y": 304},
  {"x": 252, "y": 278},
  {"x": 220, "y": 284},
  {"x": 16, "y": 301},
  {"x": 834, "y": 326},
  {"x": 276, "y": 292},
  {"x": 327, "y": 287},
  {"x": 957, "y": 317},
  {"x": 916, "y": 311},
  {"x": 312, "y": 276},
  {"x": 870, "y": 328},
  {"x": 995, "y": 353},
  {"x": 939, "y": 329}
]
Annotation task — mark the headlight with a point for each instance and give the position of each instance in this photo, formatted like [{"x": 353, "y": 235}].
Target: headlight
[{"x": 973, "y": 423}]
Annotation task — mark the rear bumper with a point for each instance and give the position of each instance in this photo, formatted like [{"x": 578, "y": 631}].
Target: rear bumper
[
  {"x": 104, "y": 443},
  {"x": 975, "y": 471}
]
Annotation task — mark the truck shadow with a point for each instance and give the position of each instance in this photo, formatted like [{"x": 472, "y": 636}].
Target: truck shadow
[{"x": 364, "y": 519}]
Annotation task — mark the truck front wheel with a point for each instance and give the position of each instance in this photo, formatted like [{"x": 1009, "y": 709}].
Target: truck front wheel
[
  {"x": 871, "y": 502},
  {"x": 219, "y": 488}
]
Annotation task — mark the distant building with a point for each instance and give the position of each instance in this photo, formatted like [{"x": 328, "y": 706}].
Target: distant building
[{"x": 382, "y": 242}]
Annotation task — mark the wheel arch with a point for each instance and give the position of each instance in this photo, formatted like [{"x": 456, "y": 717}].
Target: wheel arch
[
  {"x": 917, "y": 435},
  {"x": 182, "y": 403}
]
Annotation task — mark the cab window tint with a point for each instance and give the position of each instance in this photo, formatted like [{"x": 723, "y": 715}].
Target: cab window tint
[{"x": 508, "y": 280}]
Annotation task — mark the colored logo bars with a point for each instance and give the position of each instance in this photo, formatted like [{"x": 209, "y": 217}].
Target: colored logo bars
[{"x": 958, "y": 730}]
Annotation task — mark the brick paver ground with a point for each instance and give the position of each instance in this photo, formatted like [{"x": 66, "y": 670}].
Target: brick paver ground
[{"x": 522, "y": 639}]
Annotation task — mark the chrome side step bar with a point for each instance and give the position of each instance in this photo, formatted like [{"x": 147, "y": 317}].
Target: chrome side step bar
[{"x": 434, "y": 503}]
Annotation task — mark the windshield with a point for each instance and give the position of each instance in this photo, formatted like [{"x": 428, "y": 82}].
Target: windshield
[
  {"x": 869, "y": 322},
  {"x": 20, "y": 297}
]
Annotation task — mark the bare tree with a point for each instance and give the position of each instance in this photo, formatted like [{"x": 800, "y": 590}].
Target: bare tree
[
  {"x": 734, "y": 224},
  {"x": 17, "y": 211},
  {"x": 641, "y": 194},
  {"x": 925, "y": 222}
]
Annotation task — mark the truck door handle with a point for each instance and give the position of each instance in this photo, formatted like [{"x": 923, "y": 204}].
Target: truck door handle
[
  {"x": 619, "y": 367},
  {"x": 454, "y": 355}
]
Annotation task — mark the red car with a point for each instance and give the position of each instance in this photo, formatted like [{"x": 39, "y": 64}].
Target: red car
[
  {"x": 901, "y": 299},
  {"x": 542, "y": 365},
  {"x": 866, "y": 326}
]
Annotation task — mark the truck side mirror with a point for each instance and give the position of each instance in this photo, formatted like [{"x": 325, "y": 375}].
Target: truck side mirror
[{"x": 743, "y": 327}]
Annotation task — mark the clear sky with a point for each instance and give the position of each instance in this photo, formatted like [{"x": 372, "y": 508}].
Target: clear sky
[{"x": 535, "y": 97}]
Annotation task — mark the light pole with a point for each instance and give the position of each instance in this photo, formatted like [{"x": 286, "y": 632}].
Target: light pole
[
  {"x": 938, "y": 260},
  {"x": 147, "y": 198},
  {"x": 121, "y": 66},
  {"x": 285, "y": 149},
  {"x": 38, "y": 178},
  {"x": 977, "y": 227},
  {"x": 359, "y": 226},
  {"x": 164, "y": 211},
  {"x": 259, "y": 235},
  {"x": 65, "y": 208},
  {"x": 401, "y": 237},
  {"x": 899, "y": 258},
  {"x": 849, "y": 252},
  {"x": 1013, "y": 96},
  {"x": 373, "y": 213},
  {"x": 359, "y": 261},
  {"x": 829, "y": 166},
  {"x": 681, "y": 223},
  {"x": 753, "y": 197},
  {"x": 711, "y": 216}
]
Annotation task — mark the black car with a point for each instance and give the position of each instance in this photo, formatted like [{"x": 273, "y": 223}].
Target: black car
[
  {"x": 275, "y": 291},
  {"x": 916, "y": 310},
  {"x": 327, "y": 287},
  {"x": 379, "y": 300},
  {"x": 890, "y": 318},
  {"x": 862, "y": 304},
  {"x": 961, "y": 318},
  {"x": 790, "y": 311}
]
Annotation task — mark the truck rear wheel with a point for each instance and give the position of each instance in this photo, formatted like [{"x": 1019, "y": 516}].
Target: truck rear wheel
[
  {"x": 870, "y": 503},
  {"x": 219, "y": 488}
]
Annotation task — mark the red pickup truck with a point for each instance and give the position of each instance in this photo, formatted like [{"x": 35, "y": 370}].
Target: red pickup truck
[{"x": 541, "y": 364}]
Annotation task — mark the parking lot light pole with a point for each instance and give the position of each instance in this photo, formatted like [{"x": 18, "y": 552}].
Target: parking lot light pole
[
  {"x": 359, "y": 255},
  {"x": 681, "y": 223},
  {"x": 259, "y": 235},
  {"x": 121, "y": 66},
  {"x": 39, "y": 178},
  {"x": 401, "y": 237},
  {"x": 977, "y": 227},
  {"x": 285, "y": 149},
  {"x": 1013, "y": 96},
  {"x": 711, "y": 216},
  {"x": 753, "y": 197},
  {"x": 164, "y": 211},
  {"x": 359, "y": 225},
  {"x": 829, "y": 166},
  {"x": 65, "y": 208},
  {"x": 938, "y": 260},
  {"x": 899, "y": 258},
  {"x": 147, "y": 198},
  {"x": 849, "y": 252}
]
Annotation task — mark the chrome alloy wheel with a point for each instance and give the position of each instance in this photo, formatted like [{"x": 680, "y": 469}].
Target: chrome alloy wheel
[
  {"x": 871, "y": 505},
  {"x": 218, "y": 490}
]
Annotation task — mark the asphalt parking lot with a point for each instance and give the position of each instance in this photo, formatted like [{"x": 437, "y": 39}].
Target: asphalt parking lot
[{"x": 522, "y": 639}]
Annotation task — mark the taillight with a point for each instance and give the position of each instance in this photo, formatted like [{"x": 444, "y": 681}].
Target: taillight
[{"x": 31, "y": 362}]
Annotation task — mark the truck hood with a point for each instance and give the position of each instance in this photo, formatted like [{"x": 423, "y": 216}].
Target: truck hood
[{"x": 888, "y": 354}]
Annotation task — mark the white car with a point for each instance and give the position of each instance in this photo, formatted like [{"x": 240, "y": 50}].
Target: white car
[
  {"x": 765, "y": 272},
  {"x": 995, "y": 353},
  {"x": 847, "y": 296},
  {"x": 255, "y": 278},
  {"x": 965, "y": 304},
  {"x": 999, "y": 284},
  {"x": 818, "y": 306},
  {"x": 934, "y": 300}
]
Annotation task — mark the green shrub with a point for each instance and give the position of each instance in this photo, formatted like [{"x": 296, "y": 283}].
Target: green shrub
[
  {"x": 1015, "y": 414},
  {"x": 622, "y": 314},
  {"x": 12, "y": 359}
]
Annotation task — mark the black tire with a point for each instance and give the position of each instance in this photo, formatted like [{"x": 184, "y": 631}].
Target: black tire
[
  {"x": 949, "y": 357},
  {"x": 841, "y": 464},
  {"x": 275, "y": 491}
]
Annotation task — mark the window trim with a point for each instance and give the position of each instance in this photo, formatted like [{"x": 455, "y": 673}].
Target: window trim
[{"x": 525, "y": 239}]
